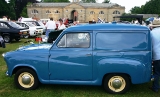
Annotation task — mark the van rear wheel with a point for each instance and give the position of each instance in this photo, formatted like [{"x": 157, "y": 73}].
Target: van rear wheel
[{"x": 116, "y": 83}]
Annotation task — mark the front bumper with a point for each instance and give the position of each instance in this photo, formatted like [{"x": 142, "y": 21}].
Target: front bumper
[{"x": 7, "y": 74}]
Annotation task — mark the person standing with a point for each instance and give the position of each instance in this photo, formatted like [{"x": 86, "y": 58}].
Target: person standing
[
  {"x": 155, "y": 36},
  {"x": 50, "y": 26},
  {"x": 61, "y": 25}
]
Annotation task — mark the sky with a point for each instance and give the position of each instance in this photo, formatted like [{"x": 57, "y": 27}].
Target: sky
[{"x": 128, "y": 4}]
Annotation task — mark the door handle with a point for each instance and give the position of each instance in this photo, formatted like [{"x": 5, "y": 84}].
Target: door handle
[{"x": 88, "y": 54}]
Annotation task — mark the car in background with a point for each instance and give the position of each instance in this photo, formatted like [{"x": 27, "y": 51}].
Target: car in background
[
  {"x": 44, "y": 21},
  {"x": 10, "y": 30},
  {"x": 38, "y": 24},
  {"x": 33, "y": 30}
]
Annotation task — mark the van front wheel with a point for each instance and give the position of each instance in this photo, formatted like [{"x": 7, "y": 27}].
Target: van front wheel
[
  {"x": 116, "y": 83},
  {"x": 26, "y": 79}
]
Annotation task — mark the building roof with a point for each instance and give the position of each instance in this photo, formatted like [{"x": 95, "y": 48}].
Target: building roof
[{"x": 102, "y": 5}]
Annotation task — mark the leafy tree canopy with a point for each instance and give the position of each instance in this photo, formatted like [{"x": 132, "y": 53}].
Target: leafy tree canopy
[
  {"x": 4, "y": 8},
  {"x": 56, "y": 1},
  {"x": 106, "y": 1},
  {"x": 89, "y": 1},
  {"x": 151, "y": 7}
]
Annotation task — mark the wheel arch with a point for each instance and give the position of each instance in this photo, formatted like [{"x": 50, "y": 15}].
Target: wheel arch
[{"x": 20, "y": 67}]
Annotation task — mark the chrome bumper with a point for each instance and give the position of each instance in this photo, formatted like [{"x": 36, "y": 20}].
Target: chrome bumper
[{"x": 7, "y": 73}]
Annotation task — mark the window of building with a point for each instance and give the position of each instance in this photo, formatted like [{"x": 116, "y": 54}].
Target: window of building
[
  {"x": 75, "y": 40},
  {"x": 101, "y": 12},
  {"x": 66, "y": 10},
  {"x": 34, "y": 11},
  {"x": 48, "y": 12},
  {"x": 57, "y": 11},
  {"x": 74, "y": 0},
  {"x": 116, "y": 12},
  {"x": 92, "y": 12}
]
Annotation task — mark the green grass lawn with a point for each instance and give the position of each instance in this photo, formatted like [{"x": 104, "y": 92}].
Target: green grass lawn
[{"x": 8, "y": 89}]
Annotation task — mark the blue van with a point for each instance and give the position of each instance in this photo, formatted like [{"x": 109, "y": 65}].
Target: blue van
[{"x": 112, "y": 55}]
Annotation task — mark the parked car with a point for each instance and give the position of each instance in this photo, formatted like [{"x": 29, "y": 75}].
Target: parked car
[
  {"x": 44, "y": 21},
  {"x": 10, "y": 30},
  {"x": 33, "y": 30},
  {"x": 39, "y": 25},
  {"x": 93, "y": 54},
  {"x": 2, "y": 43}
]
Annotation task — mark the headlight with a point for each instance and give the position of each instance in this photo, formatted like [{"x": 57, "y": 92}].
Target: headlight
[{"x": 3, "y": 54}]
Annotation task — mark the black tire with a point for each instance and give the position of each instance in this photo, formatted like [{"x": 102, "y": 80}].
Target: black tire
[
  {"x": 116, "y": 83},
  {"x": 17, "y": 39},
  {"x": 26, "y": 79},
  {"x": 7, "y": 38},
  {"x": 27, "y": 36}
]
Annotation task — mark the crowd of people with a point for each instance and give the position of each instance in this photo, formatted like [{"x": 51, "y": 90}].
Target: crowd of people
[{"x": 60, "y": 24}]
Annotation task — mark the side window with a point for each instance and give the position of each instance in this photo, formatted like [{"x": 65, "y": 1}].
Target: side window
[
  {"x": 121, "y": 41},
  {"x": 23, "y": 25},
  {"x": 3, "y": 25},
  {"x": 75, "y": 40}
]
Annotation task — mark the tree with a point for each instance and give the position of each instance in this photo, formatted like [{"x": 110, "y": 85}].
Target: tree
[
  {"x": 56, "y": 1},
  {"x": 4, "y": 8},
  {"x": 18, "y": 6},
  {"x": 151, "y": 7},
  {"x": 89, "y": 1},
  {"x": 24, "y": 12},
  {"x": 12, "y": 14},
  {"x": 106, "y": 1},
  {"x": 136, "y": 10}
]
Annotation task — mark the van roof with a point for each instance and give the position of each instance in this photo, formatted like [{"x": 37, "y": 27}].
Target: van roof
[{"x": 106, "y": 26}]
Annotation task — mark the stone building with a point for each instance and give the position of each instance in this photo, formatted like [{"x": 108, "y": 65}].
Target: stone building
[{"x": 78, "y": 11}]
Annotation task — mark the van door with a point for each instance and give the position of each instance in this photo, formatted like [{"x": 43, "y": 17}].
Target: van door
[{"x": 71, "y": 57}]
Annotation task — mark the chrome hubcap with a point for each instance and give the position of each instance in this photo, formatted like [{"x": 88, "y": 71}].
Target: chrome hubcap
[
  {"x": 6, "y": 39},
  {"x": 117, "y": 83},
  {"x": 26, "y": 80}
]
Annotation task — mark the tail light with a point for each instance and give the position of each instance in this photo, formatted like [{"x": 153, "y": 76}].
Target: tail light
[{"x": 20, "y": 32}]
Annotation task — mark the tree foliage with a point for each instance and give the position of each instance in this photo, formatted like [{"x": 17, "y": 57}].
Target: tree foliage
[
  {"x": 19, "y": 5},
  {"x": 89, "y": 1},
  {"x": 136, "y": 10},
  {"x": 4, "y": 8},
  {"x": 151, "y": 7},
  {"x": 106, "y": 1},
  {"x": 24, "y": 12},
  {"x": 56, "y": 1}
]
